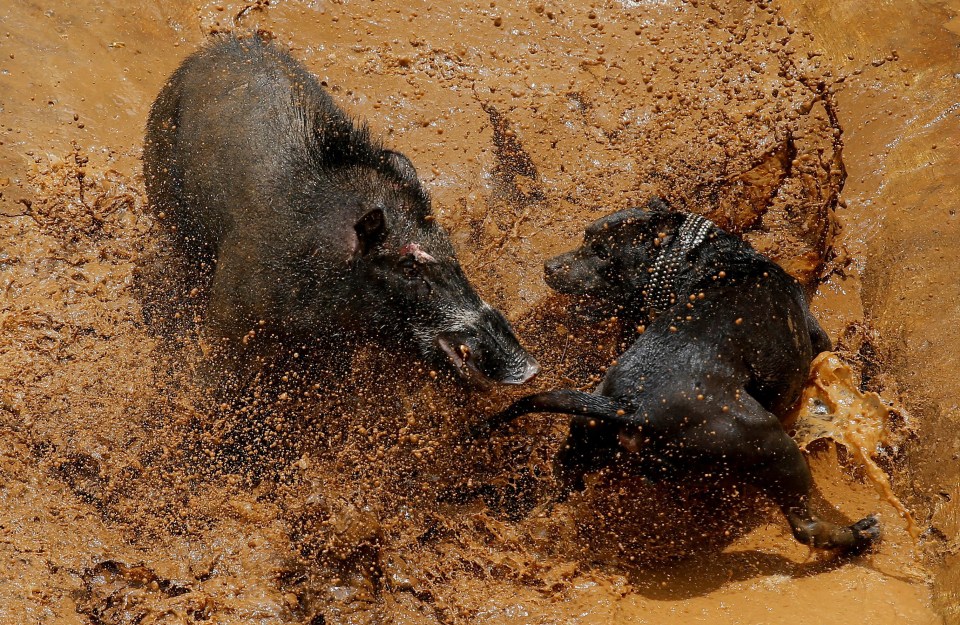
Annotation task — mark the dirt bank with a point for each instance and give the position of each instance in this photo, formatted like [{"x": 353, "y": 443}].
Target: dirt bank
[{"x": 822, "y": 132}]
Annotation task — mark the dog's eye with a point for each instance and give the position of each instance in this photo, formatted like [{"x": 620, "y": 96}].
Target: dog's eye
[{"x": 600, "y": 251}]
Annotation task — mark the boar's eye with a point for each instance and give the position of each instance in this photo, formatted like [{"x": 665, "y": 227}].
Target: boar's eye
[{"x": 411, "y": 269}]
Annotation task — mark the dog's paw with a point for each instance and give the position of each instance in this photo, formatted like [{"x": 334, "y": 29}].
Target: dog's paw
[
  {"x": 479, "y": 432},
  {"x": 866, "y": 531}
]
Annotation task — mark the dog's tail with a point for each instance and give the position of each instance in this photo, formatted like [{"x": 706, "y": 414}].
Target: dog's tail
[{"x": 561, "y": 401}]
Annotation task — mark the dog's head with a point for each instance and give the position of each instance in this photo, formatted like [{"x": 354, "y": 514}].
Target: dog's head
[{"x": 619, "y": 256}]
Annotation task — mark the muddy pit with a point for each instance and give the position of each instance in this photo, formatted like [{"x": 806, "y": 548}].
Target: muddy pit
[{"x": 823, "y": 132}]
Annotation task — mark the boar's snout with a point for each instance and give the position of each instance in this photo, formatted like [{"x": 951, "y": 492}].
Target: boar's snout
[{"x": 486, "y": 350}]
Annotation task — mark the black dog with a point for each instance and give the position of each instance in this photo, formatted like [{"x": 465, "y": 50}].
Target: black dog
[{"x": 727, "y": 347}]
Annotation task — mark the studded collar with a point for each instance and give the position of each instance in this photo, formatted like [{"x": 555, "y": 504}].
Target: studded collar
[{"x": 659, "y": 294}]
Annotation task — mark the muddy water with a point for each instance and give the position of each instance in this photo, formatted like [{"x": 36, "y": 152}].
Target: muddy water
[{"x": 823, "y": 132}]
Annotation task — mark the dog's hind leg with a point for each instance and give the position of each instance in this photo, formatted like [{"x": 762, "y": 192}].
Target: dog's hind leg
[
  {"x": 780, "y": 483},
  {"x": 819, "y": 339},
  {"x": 774, "y": 463}
]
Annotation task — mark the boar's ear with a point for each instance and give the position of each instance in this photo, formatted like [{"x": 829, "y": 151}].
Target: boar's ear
[
  {"x": 371, "y": 230},
  {"x": 401, "y": 164}
]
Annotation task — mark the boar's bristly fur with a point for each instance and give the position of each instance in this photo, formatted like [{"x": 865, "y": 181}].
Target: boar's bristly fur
[{"x": 295, "y": 229}]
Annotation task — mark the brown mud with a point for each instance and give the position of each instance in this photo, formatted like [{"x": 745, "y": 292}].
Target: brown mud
[{"x": 824, "y": 132}]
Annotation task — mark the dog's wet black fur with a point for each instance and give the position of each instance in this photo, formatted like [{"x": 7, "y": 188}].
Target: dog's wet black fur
[{"x": 727, "y": 346}]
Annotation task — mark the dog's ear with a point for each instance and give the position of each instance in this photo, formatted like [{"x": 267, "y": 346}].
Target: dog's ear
[
  {"x": 658, "y": 204},
  {"x": 615, "y": 221},
  {"x": 666, "y": 221}
]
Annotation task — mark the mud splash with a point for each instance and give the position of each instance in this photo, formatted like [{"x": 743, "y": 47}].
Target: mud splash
[
  {"x": 526, "y": 121},
  {"x": 833, "y": 408}
]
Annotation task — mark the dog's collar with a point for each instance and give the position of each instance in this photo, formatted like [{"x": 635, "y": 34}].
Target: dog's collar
[{"x": 659, "y": 294}]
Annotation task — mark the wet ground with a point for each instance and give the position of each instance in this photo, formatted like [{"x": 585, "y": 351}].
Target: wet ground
[{"x": 824, "y": 132}]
